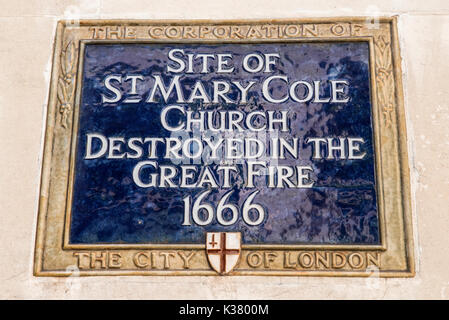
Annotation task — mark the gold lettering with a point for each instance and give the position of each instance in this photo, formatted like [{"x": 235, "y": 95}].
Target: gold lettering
[
  {"x": 95, "y": 258},
  {"x": 189, "y": 32},
  {"x": 338, "y": 29},
  {"x": 113, "y": 31},
  {"x": 373, "y": 260},
  {"x": 335, "y": 263},
  {"x": 173, "y": 32},
  {"x": 130, "y": 33},
  {"x": 155, "y": 32},
  {"x": 235, "y": 33},
  {"x": 186, "y": 258},
  {"x": 80, "y": 256},
  {"x": 355, "y": 29},
  {"x": 303, "y": 261},
  {"x": 287, "y": 262},
  {"x": 140, "y": 262},
  {"x": 323, "y": 259},
  {"x": 270, "y": 31},
  {"x": 292, "y": 30},
  {"x": 360, "y": 260},
  {"x": 269, "y": 258},
  {"x": 253, "y": 32},
  {"x": 153, "y": 260},
  {"x": 254, "y": 259},
  {"x": 220, "y": 31},
  {"x": 311, "y": 29},
  {"x": 204, "y": 30},
  {"x": 167, "y": 256},
  {"x": 114, "y": 260},
  {"x": 97, "y": 32}
]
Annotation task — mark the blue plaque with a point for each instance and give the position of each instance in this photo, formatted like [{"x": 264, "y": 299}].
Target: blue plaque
[
  {"x": 245, "y": 148},
  {"x": 110, "y": 207}
]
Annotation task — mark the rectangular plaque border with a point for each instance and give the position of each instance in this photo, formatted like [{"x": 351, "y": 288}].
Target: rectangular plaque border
[
  {"x": 72, "y": 157},
  {"x": 405, "y": 238}
]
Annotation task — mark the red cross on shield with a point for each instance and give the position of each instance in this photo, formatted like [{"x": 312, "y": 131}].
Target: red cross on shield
[{"x": 223, "y": 250}]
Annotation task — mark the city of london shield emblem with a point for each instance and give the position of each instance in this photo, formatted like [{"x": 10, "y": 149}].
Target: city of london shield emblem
[{"x": 223, "y": 250}]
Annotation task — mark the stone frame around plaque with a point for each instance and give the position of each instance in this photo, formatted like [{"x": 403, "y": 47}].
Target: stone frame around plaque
[{"x": 54, "y": 256}]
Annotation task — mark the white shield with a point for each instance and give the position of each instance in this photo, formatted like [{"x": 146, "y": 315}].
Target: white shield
[{"x": 223, "y": 250}]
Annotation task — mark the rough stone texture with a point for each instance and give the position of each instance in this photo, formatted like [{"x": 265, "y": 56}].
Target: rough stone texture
[{"x": 25, "y": 53}]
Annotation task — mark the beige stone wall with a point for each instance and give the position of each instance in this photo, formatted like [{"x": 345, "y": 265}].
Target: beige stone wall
[{"x": 27, "y": 30}]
